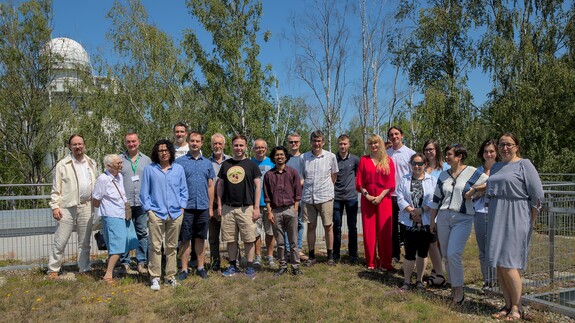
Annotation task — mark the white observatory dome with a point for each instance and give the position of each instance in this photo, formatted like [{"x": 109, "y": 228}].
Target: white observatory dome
[{"x": 72, "y": 54}]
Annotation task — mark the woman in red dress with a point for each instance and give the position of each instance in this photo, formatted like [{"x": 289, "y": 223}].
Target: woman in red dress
[{"x": 375, "y": 180}]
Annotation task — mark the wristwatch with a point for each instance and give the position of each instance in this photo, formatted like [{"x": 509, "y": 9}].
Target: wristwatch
[{"x": 365, "y": 193}]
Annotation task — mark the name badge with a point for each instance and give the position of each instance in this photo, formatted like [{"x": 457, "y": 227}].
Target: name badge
[{"x": 135, "y": 178}]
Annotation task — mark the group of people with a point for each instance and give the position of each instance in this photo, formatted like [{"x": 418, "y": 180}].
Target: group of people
[{"x": 178, "y": 198}]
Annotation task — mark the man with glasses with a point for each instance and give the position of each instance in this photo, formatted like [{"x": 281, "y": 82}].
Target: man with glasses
[
  {"x": 70, "y": 201},
  {"x": 264, "y": 226}
]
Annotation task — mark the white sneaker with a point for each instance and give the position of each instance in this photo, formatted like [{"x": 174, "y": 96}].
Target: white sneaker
[{"x": 155, "y": 284}]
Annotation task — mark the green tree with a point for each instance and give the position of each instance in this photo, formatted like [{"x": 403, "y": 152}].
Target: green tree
[
  {"x": 31, "y": 119},
  {"x": 528, "y": 51},
  {"x": 231, "y": 81},
  {"x": 440, "y": 53}
]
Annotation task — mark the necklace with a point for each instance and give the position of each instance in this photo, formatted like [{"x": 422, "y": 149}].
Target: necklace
[{"x": 456, "y": 177}]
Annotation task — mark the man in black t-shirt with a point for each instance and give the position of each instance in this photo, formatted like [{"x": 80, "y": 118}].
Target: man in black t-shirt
[{"x": 239, "y": 191}]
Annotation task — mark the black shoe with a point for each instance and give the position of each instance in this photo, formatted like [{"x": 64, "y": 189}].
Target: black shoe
[
  {"x": 202, "y": 273},
  {"x": 280, "y": 272},
  {"x": 296, "y": 272},
  {"x": 215, "y": 264},
  {"x": 354, "y": 261}
]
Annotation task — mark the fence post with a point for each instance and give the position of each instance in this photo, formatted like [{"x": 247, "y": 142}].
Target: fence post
[{"x": 551, "y": 221}]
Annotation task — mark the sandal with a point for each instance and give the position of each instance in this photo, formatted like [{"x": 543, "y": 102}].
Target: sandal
[
  {"x": 109, "y": 281},
  {"x": 501, "y": 313},
  {"x": 431, "y": 281},
  {"x": 405, "y": 287},
  {"x": 419, "y": 285},
  {"x": 514, "y": 315}
]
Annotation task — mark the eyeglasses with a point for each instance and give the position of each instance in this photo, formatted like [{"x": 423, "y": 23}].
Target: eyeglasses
[
  {"x": 260, "y": 147},
  {"x": 506, "y": 145},
  {"x": 417, "y": 163},
  {"x": 293, "y": 142},
  {"x": 163, "y": 151}
]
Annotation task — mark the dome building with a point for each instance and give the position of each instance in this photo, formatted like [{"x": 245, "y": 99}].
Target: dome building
[{"x": 71, "y": 63}]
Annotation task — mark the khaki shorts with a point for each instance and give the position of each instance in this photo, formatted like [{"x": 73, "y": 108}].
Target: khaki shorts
[
  {"x": 325, "y": 211},
  {"x": 263, "y": 224},
  {"x": 238, "y": 220}
]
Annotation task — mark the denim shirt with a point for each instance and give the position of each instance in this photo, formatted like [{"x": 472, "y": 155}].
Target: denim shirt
[{"x": 164, "y": 193}]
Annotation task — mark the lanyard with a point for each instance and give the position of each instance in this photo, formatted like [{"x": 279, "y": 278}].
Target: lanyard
[{"x": 134, "y": 164}]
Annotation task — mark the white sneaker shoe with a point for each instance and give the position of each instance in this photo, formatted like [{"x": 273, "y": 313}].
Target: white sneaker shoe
[{"x": 155, "y": 284}]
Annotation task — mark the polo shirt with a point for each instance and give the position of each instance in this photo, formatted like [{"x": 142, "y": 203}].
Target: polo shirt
[{"x": 345, "y": 182}]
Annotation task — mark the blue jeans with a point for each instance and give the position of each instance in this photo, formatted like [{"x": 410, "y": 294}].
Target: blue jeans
[
  {"x": 140, "y": 219},
  {"x": 351, "y": 212},
  {"x": 299, "y": 230}
]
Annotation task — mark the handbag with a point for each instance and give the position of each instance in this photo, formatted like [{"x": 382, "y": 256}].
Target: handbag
[
  {"x": 127, "y": 206},
  {"x": 100, "y": 241},
  {"x": 131, "y": 238}
]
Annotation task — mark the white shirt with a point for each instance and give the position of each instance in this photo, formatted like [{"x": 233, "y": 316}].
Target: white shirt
[
  {"x": 317, "y": 170},
  {"x": 400, "y": 159},
  {"x": 84, "y": 178},
  {"x": 181, "y": 151}
]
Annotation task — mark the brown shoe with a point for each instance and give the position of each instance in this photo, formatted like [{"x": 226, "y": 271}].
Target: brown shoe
[
  {"x": 142, "y": 268},
  {"x": 53, "y": 275}
]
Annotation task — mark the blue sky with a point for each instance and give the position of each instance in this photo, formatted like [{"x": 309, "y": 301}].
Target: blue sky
[{"x": 85, "y": 21}]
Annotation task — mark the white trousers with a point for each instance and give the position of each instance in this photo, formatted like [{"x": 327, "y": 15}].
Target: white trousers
[{"x": 81, "y": 217}]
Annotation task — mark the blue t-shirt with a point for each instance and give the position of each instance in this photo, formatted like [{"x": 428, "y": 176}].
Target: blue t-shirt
[{"x": 264, "y": 166}]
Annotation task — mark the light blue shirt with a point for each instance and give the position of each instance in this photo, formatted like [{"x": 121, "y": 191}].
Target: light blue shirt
[
  {"x": 111, "y": 201},
  {"x": 264, "y": 166},
  {"x": 404, "y": 198},
  {"x": 479, "y": 204},
  {"x": 164, "y": 193}
]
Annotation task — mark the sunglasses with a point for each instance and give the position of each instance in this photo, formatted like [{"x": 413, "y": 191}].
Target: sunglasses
[{"x": 417, "y": 163}]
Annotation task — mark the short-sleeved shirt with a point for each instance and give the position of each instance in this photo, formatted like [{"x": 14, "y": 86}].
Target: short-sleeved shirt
[
  {"x": 198, "y": 174},
  {"x": 318, "y": 186},
  {"x": 181, "y": 150},
  {"x": 111, "y": 201},
  {"x": 345, "y": 182},
  {"x": 264, "y": 166},
  {"x": 400, "y": 159},
  {"x": 295, "y": 163},
  {"x": 238, "y": 178},
  {"x": 282, "y": 188},
  {"x": 450, "y": 192},
  {"x": 132, "y": 173}
]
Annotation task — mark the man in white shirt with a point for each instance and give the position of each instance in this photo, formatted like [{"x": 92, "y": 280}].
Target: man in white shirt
[
  {"x": 70, "y": 201},
  {"x": 400, "y": 154},
  {"x": 180, "y": 139},
  {"x": 319, "y": 174}
]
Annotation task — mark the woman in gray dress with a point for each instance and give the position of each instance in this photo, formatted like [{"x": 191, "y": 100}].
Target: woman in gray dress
[{"x": 515, "y": 197}]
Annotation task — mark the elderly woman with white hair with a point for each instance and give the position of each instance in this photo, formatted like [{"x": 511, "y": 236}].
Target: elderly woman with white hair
[{"x": 110, "y": 197}]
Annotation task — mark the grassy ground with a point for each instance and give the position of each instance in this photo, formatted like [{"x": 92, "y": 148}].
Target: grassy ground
[{"x": 331, "y": 294}]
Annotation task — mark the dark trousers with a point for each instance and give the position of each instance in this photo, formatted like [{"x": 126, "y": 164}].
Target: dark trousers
[
  {"x": 398, "y": 230},
  {"x": 214, "y": 237},
  {"x": 140, "y": 219},
  {"x": 350, "y": 207}
]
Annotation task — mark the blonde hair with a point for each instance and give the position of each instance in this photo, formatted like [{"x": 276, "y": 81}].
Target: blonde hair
[{"x": 382, "y": 160}]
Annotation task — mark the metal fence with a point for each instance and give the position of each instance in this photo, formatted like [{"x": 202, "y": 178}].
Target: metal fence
[{"x": 26, "y": 234}]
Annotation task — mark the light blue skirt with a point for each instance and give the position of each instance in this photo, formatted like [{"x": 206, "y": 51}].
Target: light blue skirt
[{"x": 116, "y": 234}]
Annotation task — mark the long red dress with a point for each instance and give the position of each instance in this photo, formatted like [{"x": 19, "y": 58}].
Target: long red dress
[{"x": 377, "y": 219}]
